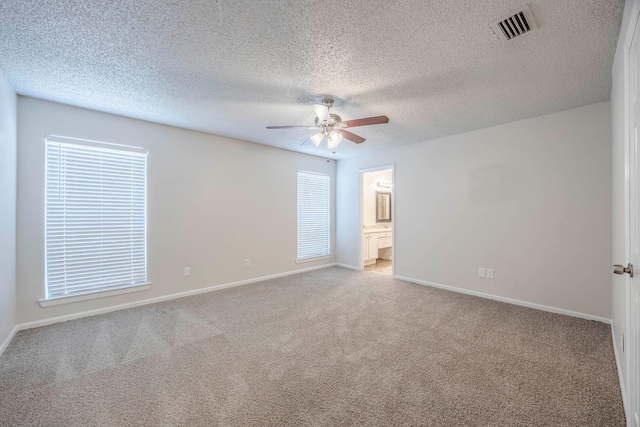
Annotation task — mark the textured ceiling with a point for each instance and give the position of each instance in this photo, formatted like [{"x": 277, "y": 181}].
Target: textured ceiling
[{"x": 232, "y": 67}]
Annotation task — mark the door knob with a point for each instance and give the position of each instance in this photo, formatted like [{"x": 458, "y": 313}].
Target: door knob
[{"x": 621, "y": 269}]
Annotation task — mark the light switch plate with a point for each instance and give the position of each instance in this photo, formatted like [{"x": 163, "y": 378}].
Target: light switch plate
[
  {"x": 481, "y": 272},
  {"x": 187, "y": 271},
  {"x": 489, "y": 273}
]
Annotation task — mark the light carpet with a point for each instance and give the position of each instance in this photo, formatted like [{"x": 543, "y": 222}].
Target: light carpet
[{"x": 332, "y": 347}]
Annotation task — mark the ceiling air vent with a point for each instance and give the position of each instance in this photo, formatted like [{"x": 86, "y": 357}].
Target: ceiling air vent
[{"x": 514, "y": 25}]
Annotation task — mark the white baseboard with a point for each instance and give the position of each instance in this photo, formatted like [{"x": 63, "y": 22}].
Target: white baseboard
[
  {"x": 52, "y": 320},
  {"x": 620, "y": 378},
  {"x": 7, "y": 340},
  {"x": 507, "y": 300},
  {"x": 350, "y": 267}
]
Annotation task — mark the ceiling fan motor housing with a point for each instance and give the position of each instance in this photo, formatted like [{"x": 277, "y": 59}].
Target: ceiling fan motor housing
[{"x": 336, "y": 120}]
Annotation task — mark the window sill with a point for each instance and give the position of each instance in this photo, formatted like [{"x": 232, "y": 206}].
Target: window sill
[
  {"x": 298, "y": 261},
  {"x": 93, "y": 295}
]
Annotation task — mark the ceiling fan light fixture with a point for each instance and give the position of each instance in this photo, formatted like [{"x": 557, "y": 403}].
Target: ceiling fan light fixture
[
  {"x": 317, "y": 138},
  {"x": 334, "y": 139}
]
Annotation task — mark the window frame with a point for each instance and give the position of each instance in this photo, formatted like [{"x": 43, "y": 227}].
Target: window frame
[
  {"x": 328, "y": 253},
  {"x": 99, "y": 291}
]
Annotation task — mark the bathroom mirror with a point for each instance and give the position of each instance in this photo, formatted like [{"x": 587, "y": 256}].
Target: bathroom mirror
[{"x": 383, "y": 206}]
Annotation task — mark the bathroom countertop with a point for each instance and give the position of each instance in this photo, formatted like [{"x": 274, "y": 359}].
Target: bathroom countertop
[{"x": 377, "y": 228}]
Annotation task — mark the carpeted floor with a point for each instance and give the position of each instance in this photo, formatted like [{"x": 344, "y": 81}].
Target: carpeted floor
[{"x": 331, "y": 347}]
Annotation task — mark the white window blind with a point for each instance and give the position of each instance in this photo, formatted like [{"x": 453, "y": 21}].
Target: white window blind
[
  {"x": 313, "y": 215},
  {"x": 95, "y": 217}
]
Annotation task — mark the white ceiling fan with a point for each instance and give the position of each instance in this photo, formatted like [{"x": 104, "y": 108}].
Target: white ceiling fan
[{"x": 332, "y": 126}]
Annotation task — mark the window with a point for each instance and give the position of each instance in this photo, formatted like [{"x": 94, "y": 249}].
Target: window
[
  {"x": 95, "y": 217},
  {"x": 313, "y": 215}
]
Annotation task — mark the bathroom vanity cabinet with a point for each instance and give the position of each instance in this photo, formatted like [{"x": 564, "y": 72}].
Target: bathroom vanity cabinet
[{"x": 373, "y": 241}]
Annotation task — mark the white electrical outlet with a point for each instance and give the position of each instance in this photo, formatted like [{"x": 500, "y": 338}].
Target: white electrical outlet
[
  {"x": 247, "y": 262},
  {"x": 481, "y": 272},
  {"x": 187, "y": 271},
  {"x": 489, "y": 273}
]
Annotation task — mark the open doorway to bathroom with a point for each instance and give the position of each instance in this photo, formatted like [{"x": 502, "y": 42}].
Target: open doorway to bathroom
[{"x": 377, "y": 220}]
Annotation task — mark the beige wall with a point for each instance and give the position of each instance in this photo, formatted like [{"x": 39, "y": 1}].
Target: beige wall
[
  {"x": 530, "y": 199},
  {"x": 212, "y": 203},
  {"x": 7, "y": 209}
]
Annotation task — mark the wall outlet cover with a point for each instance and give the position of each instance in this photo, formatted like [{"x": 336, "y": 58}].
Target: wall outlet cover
[
  {"x": 247, "y": 262},
  {"x": 187, "y": 271},
  {"x": 481, "y": 272},
  {"x": 489, "y": 273}
]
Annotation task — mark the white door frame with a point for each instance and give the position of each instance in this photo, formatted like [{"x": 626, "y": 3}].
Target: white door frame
[
  {"x": 631, "y": 379},
  {"x": 361, "y": 173}
]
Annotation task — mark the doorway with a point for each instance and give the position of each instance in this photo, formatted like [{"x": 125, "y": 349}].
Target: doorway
[{"x": 377, "y": 218}]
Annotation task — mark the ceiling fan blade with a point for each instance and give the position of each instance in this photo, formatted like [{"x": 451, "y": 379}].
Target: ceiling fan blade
[
  {"x": 291, "y": 127},
  {"x": 322, "y": 112},
  {"x": 352, "y": 136},
  {"x": 378, "y": 120}
]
